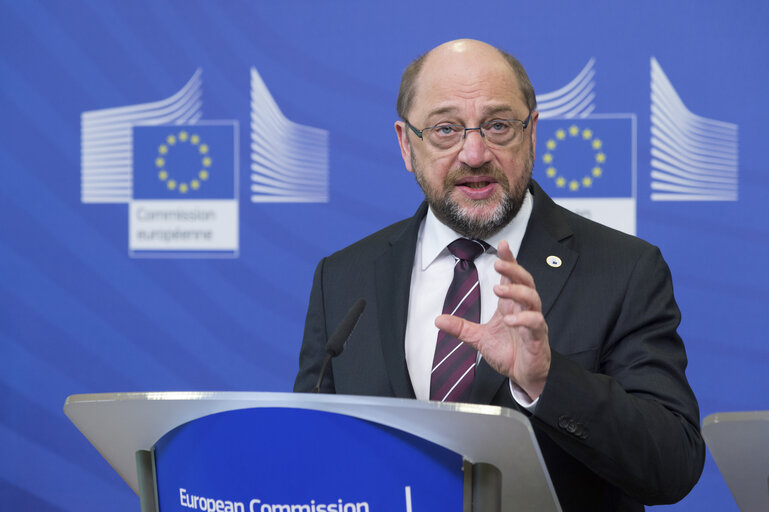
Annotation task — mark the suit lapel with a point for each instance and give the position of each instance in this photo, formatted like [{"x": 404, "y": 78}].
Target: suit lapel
[
  {"x": 545, "y": 237},
  {"x": 393, "y": 283}
]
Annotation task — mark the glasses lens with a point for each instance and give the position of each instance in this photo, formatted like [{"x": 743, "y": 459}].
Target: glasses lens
[
  {"x": 444, "y": 136},
  {"x": 503, "y": 132}
]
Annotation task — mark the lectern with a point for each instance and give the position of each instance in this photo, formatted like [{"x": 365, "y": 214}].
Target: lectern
[
  {"x": 268, "y": 452},
  {"x": 739, "y": 443}
]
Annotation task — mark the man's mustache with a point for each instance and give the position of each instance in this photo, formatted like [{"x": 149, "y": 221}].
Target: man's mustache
[{"x": 464, "y": 171}]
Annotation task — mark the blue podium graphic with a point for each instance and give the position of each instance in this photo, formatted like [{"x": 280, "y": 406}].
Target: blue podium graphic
[{"x": 253, "y": 459}]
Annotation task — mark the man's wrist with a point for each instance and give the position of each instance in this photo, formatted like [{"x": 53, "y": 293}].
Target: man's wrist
[{"x": 521, "y": 397}]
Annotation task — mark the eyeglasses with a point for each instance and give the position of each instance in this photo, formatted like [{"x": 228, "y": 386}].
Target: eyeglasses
[{"x": 497, "y": 132}]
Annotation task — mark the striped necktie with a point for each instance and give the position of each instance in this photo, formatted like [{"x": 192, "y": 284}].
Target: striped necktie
[{"x": 454, "y": 362}]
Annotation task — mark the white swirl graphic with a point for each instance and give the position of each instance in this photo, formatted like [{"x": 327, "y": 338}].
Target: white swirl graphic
[
  {"x": 575, "y": 99},
  {"x": 289, "y": 161},
  {"x": 692, "y": 158},
  {"x": 107, "y": 140}
]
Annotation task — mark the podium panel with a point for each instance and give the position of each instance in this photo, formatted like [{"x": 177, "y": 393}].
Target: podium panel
[
  {"x": 499, "y": 443},
  {"x": 739, "y": 443},
  {"x": 253, "y": 460}
]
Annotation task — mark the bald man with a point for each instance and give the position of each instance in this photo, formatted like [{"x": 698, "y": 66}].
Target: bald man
[{"x": 574, "y": 323}]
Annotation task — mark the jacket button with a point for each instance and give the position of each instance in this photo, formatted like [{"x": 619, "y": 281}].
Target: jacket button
[
  {"x": 574, "y": 428},
  {"x": 568, "y": 424}
]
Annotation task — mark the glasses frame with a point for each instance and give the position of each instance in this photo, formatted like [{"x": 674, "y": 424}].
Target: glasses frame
[{"x": 419, "y": 133}]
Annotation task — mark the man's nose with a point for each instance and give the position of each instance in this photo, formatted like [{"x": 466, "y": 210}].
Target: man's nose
[{"x": 474, "y": 150}]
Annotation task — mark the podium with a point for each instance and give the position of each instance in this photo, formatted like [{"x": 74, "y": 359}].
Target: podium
[
  {"x": 739, "y": 443},
  {"x": 498, "y": 460}
]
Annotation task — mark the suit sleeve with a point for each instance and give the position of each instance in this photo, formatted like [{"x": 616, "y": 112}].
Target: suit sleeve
[
  {"x": 635, "y": 422},
  {"x": 313, "y": 350}
]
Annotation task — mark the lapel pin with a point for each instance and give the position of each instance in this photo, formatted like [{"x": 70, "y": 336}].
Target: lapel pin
[{"x": 554, "y": 261}]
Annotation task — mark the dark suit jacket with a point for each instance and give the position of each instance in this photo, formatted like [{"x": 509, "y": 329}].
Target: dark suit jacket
[{"x": 617, "y": 422}]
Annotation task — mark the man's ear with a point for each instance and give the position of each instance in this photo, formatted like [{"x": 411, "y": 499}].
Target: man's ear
[{"x": 401, "y": 130}]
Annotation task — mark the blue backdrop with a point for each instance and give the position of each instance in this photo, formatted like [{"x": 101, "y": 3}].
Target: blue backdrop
[{"x": 218, "y": 302}]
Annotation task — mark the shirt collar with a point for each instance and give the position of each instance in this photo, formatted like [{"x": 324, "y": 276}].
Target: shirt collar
[{"x": 436, "y": 236}]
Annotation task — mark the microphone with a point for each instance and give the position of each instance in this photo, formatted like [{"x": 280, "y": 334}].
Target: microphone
[{"x": 336, "y": 342}]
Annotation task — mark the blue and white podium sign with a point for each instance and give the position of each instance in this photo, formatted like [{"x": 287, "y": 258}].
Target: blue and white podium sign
[
  {"x": 293, "y": 452},
  {"x": 272, "y": 459}
]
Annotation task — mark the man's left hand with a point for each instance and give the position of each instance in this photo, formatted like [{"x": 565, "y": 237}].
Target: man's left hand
[{"x": 514, "y": 342}]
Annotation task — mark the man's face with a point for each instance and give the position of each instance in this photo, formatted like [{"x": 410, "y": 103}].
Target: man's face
[{"x": 473, "y": 188}]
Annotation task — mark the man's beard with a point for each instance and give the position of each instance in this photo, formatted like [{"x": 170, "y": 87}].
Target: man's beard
[{"x": 466, "y": 220}]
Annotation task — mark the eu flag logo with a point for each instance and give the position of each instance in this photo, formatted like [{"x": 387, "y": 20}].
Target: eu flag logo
[
  {"x": 184, "y": 162},
  {"x": 587, "y": 157}
]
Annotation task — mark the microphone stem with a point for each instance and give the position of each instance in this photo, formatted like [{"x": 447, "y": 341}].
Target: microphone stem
[{"x": 316, "y": 389}]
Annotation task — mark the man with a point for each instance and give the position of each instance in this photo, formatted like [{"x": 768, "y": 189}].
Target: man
[{"x": 577, "y": 322}]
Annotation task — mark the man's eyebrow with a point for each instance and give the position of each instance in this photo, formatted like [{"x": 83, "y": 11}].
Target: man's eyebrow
[
  {"x": 497, "y": 109},
  {"x": 487, "y": 112},
  {"x": 442, "y": 110}
]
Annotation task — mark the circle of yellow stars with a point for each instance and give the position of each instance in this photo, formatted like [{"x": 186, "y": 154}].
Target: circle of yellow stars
[
  {"x": 596, "y": 144},
  {"x": 183, "y": 137}
]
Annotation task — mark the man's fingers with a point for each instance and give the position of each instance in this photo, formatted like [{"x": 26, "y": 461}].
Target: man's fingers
[
  {"x": 525, "y": 296},
  {"x": 504, "y": 252},
  {"x": 513, "y": 272},
  {"x": 532, "y": 320},
  {"x": 460, "y": 328}
]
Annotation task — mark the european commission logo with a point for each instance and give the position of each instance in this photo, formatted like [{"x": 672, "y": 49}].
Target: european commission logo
[
  {"x": 586, "y": 161},
  {"x": 184, "y": 162},
  {"x": 179, "y": 173},
  {"x": 184, "y": 189},
  {"x": 587, "y": 157},
  {"x": 588, "y": 165}
]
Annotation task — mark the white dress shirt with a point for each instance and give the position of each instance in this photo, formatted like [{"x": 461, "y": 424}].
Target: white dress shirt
[{"x": 430, "y": 279}]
